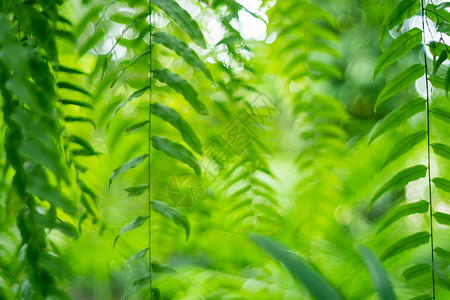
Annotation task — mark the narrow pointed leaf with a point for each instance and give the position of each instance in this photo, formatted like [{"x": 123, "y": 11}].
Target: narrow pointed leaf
[
  {"x": 441, "y": 150},
  {"x": 176, "y": 151},
  {"x": 135, "y": 191},
  {"x": 400, "y": 179},
  {"x": 416, "y": 271},
  {"x": 406, "y": 243},
  {"x": 399, "y": 47},
  {"x": 135, "y": 223},
  {"x": 70, "y": 70},
  {"x": 136, "y": 94},
  {"x": 131, "y": 63},
  {"x": 135, "y": 127},
  {"x": 442, "y": 253},
  {"x": 139, "y": 255},
  {"x": 79, "y": 119},
  {"x": 442, "y": 184},
  {"x": 441, "y": 113},
  {"x": 400, "y": 82},
  {"x": 447, "y": 82},
  {"x": 126, "y": 166},
  {"x": 183, "y": 50},
  {"x": 171, "y": 116},
  {"x": 182, "y": 18},
  {"x": 404, "y": 146},
  {"x": 75, "y": 102},
  {"x": 136, "y": 286},
  {"x": 72, "y": 87},
  {"x": 399, "y": 115},
  {"x": 317, "y": 285},
  {"x": 403, "y": 211},
  {"x": 404, "y": 10},
  {"x": 182, "y": 87},
  {"x": 422, "y": 297},
  {"x": 174, "y": 214},
  {"x": 442, "y": 218},
  {"x": 380, "y": 279}
]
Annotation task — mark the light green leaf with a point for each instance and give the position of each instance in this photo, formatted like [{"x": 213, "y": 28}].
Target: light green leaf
[
  {"x": 404, "y": 145},
  {"x": 136, "y": 94},
  {"x": 393, "y": 119},
  {"x": 380, "y": 279},
  {"x": 176, "y": 151},
  {"x": 136, "y": 286},
  {"x": 406, "y": 243},
  {"x": 442, "y": 218},
  {"x": 441, "y": 150},
  {"x": 135, "y": 127},
  {"x": 160, "y": 268},
  {"x": 131, "y": 63},
  {"x": 126, "y": 166},
  {"x": 442, "y": 184},
  {"x": 182, "y": 87},
  {"x": 442, "y": 253},
  {"x": 183, "y": 50},
  {"x": 400, "y": 82},
  {"x": 400, "y": 179},
  {"x": 416, "y": 271},
  {"x": 182, "y": 18},
  {"x": 399, "y": 47},
  {"x": 404, "y": 10},
  {"x": 171, "y": 116},
  {"x": 135, "y": 191},
  {"x": 174, "y": 214},
  {"x": 422, "y": 297},
  {"x": 441, "y": 113},
  {"x": 317, "y": 285},
  {"x": 403, "y": 211},
  {"x": 135, "y": 223},
  {"x": 138, "y": 255}
]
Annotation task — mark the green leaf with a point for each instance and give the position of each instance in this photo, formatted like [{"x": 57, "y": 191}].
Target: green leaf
[
  {"x": 136, "y": 94},
  {"x": 447, "y": 82},
  {"x": 416, "y": 271},
  {"x": 406, "y": 243},
  {"x": 135, "y": 191},
  {"x": 70, "y": 70},
  {"x": 399, "y": 47},
  {"x": 75, "y": 102},
  {"x": 131, "y": 63},
  {"x": 404, "y": 10},
  {"x": 79, "y": 119},
  {"x": 441, "y": 113},
  {"x": 135, "y": 127},
  {"x": 183, "y": 50},
  {"x": 380, "y": 279},
  {"x": 160, "y": 268},
  {"x": 176, "y": 151},
  {"x": 72, "y": 87},
  {"x": 171, "y": 116},
  {"x": 317, "y": 285},
  {"x": 442, "y": 253},
  {"x": 442, "y": 218},
  {"x": 400, "y": 82},
  {"x": 400, "y": 179},
  {"x": 182, "y": 18},
  {"x": 441, "y": 150},
  {"x": 404, "y": 145},
  {"x": 393, "y": 119},
  {"x": 126, "y": 166},
  {"x": 182, "y": 87},
  {"x": 83, "y": 143},
  {"x": 136, "y": 286},
  {"x": 138, "y": 255},
  {"x": 403, "y": 211},
  {"x": 174, "y": 214},
  {"x": 135, "y": 223},
  {"x": 442, "y": 184},
  {"x": 422, "y": 297}
]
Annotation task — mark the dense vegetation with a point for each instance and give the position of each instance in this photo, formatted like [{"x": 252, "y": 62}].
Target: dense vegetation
[{"x": 222, "y": 149}]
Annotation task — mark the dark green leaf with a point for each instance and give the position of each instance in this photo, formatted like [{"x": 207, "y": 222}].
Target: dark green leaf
[
  {"x": 136, "y": 190},
  {"x": 402, "y": 211},
  {"x": 135, "y": 223},
  {"x": 406, "y": 243},
  {"x": 160, "y": 268},
  {"x": 441, "y": 113},
  {"x": 442, "y": 253},
  {"x": 442, "y": 184},
  {"x": 400, "y": 82},
  {"x": 393, "y": 119},
  {"x": 422, "y": 297},
  {"x": 399, "y": 47},
  {"x": 135, "y": 127},
  {"x": 72, "y": 87},
  {"x": 75, "y": 102},
  {"x": 79, "y": 119},
  {"x": 404, "y": 145},
  {"x": 174, "y": 214},
  {"x": 136, "y": 94},
  {"x": 183, "y": 51},
  {"x": 441, "y": 149},
  {"x": 380, "y": 279},
  {"x": 182, "y": 18},
  {"x": 171, "y": 116},
  {"x": 182, "y": 87},
  {"x": 317, "y": 285},
  {"x": 442, "y": 218},
  {"x": 70, "y": 70},
  {"x": 447, "y": 82},
  {"x": 176, "y": 151},
  {"x": 126, "y": 166},
  {"x": 416, "y": 271},
  {"x": 400, "y": 179}
]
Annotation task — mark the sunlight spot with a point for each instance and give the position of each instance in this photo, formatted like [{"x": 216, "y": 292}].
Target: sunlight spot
[{"x": 271, "y": 38}]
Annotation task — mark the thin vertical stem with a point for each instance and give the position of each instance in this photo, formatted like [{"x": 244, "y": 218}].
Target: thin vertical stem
[
  {"x": 428, "y": 151},
  {"x": 149, "y": 193}
]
